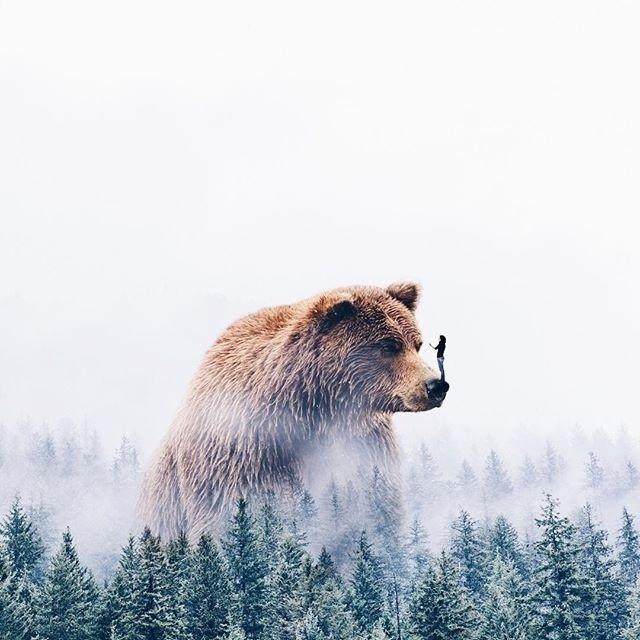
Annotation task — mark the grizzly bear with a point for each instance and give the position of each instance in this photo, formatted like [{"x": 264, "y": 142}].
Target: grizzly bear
[{"x": 278, "y": 387}]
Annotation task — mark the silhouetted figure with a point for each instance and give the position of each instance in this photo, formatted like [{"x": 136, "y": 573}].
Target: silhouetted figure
[{"x": 441, "y": 346}]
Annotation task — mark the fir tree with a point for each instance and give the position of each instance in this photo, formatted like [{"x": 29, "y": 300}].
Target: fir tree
[
  {"x": 628, "y": 549},
  {"x": 417, "y": 552},
  {"x": 440, "y": 608},
  {"x": 288, "y": 586},
  {"x": 325, "y": 600},
  {"x": 308, "y": 513},
  {"x": 125, "y": 466},
  {"x": 209, "y": 593},
  {"x": 152, "y": 612},
  {"x": 381, "y": 517},
  {"x": 550, "y": 465},
  {"x": 606, "y": 604},
  {"x": 466, "y": 479},
  {"x": 16, "y": 608},
  {"x": 561, "y": 592},
  {"x": 429, "y": 475},
  {"x": 367, "y": 597},
  {"x": 117, "y": 600},
  {"x": 633, "y": 476},
  {"x": 248, "y": 572},
  {"x": 528, "y": 473},
  {"x": 594, "y": 472},
  {"x": 66, "y": 606},
  {"x": 496, "y": 480},
  {"x": 506, "y": 612},
  {"x": 20, "y": 544},
  {"x": 631, "y": 630},
  {"x": 467, "y": 549},
  {"x": 503, "y": 540}
]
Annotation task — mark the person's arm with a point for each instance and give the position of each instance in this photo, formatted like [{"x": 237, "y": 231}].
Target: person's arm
[{"x": 432, "y": 346}]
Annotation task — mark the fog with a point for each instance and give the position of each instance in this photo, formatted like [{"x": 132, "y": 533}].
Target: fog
[{"x": 165, "y": 168}]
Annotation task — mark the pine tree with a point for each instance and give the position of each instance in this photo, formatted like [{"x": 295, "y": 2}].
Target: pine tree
[
  {"x": 209, "y": 593},
  {"x": 384, "y": 527},
  {"x": 118, "y": 598},
  {"x": 417, "y": 552},
  {"x": 153, "y": 610},
  {"x": 628, "y": 549},
  {"x": 440, "y": 608},
  {"x": 561, "y": 593},
  {"x": 289, "y": 589},
  {"x": 325, "y": 601},
  {"x": 429, "y": 475},
  {"x": 594, "y": 472},
  {"x": 66, "y": 608},
  {"x": 248, "y": 571},
  {"x": 16, "y": 608},
  {"x": 125, "y": 466},
  {"x": 367, "y": 596},
  {"x": 496, "y": 480},
  {"x": 606, "y": 606},
  {"x": 466, "y": 480},
  {"x": 308, "y": 514},
  {"x": 20, "y": 544},
  {"x": 467, "y": 549},
  {"x": 179, "y": 568},
  {"x": 631, "y": 630},
  {"x": 633, "y": 476},
  {"x": 309, "y": 628},
  {"x": 550, "y": 466},
  {"x": 503, "y": 540},
  {"x": 506, "y": 612},
  {"x": 528, "y": 474}
]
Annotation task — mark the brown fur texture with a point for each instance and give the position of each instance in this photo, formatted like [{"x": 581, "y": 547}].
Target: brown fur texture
[{"x": 276, "y": 388}]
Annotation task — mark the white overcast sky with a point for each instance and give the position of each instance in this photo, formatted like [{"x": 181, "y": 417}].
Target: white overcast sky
[{"x": 166, "y": 166}]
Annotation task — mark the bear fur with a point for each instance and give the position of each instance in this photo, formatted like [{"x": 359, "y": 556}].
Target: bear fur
[{"x": 278, "y": 388}]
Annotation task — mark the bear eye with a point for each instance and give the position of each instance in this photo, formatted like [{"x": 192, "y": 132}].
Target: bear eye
[{"x": 390, "y": 347}]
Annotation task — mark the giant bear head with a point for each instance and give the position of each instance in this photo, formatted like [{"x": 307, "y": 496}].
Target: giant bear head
[{"x": 366, "y": 346}]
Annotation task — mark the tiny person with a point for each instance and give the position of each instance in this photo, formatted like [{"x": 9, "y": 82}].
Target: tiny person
[{"x": 440, "y": 353}]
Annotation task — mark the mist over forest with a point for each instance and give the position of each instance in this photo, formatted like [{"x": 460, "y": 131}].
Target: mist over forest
[{"x": 67, "y": 477}]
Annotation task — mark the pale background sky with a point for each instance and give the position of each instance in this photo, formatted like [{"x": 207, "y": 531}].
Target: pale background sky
[{"x": 167, "y": 166}]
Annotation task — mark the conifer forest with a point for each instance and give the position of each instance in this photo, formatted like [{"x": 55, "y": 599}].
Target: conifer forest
[{"x": 489, "y": 549}]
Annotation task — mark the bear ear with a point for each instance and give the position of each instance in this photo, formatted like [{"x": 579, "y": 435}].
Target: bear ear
[
  {"x": 334, "y": 313},
  {"x": 405, "y": 292}
]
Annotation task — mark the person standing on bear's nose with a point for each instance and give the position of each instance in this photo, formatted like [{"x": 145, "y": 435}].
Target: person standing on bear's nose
[{"x": 440, "y": 347}]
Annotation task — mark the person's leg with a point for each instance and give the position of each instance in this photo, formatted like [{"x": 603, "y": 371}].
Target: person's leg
[{"x": 441, "y": 366}]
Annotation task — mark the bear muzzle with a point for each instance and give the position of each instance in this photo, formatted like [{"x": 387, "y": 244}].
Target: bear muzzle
[{"x": 437, "y": 391}]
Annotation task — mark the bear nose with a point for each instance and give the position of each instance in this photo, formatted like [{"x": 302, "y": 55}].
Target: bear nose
[{"x": 437, "y": 389}]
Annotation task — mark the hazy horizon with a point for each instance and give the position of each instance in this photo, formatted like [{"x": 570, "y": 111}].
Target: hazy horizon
[{"x": 164, "y": 170}]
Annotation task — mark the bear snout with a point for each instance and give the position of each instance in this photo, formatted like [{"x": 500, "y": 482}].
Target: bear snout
[{"x": 437, "y": 390}]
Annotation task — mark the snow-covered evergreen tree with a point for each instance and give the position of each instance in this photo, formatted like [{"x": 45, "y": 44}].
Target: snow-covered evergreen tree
[
  {"x": 606, "y": 606},
  {"x": 497, "y": 483},
  {"x": 561, "y": 592},
  {"x": 325, "y": 600},
  {"x": 208, "y": 592},
  {"x": 468, "y": 551},
  {"x": 367, "y": 595},
  {"x": 628, "y": 549},
  {"x": 441, "y": 608},
  {"x": 503, "y": 540},
  {"x": 417, "y": 552},
  {"x": 631, "y": 630},
  {"x": 248, "y": 570},
  {"x": 20, "y": 545},
  {"x": 506, "y": 612},
  {"x": 66, "y": 607}
]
